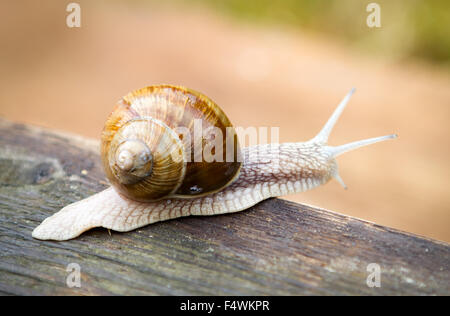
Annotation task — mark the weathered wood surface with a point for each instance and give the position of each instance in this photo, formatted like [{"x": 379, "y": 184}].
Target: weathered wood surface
[{"x": 275, "y": 248}]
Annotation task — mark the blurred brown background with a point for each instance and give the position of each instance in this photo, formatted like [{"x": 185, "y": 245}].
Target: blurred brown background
[{"x": 285, "y": 64}]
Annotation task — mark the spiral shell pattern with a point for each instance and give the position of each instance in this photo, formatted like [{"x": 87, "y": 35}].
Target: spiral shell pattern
[{"x": 147, "y": 158}]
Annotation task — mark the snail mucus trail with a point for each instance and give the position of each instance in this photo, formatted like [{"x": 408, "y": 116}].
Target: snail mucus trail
[{"x": 152, "y": 179}]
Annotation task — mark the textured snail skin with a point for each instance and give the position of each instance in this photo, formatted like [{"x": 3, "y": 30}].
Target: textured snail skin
[
  {"x": 268, "y": 171},
  {"x": 298, "y": 167}
]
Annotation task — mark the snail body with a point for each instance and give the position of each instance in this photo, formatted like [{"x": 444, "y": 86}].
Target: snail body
[{"x": 155, "y": 174}]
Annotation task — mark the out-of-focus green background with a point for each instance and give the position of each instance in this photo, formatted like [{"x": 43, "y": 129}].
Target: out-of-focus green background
[
  {"x": 266, "y": 63},
  {"x": 410, "y": 28}
]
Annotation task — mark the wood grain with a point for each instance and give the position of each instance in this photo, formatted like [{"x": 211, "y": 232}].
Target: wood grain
[{"x": 275, "y": 248}]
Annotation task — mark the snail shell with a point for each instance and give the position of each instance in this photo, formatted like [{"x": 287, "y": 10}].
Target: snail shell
[{"x": 153, "y": 141}]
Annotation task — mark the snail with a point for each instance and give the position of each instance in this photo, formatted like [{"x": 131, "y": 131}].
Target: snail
[{"x": 158, "y": 172}]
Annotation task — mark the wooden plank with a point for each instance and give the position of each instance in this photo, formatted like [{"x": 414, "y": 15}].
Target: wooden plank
[{"x": 275, "y": 248}]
